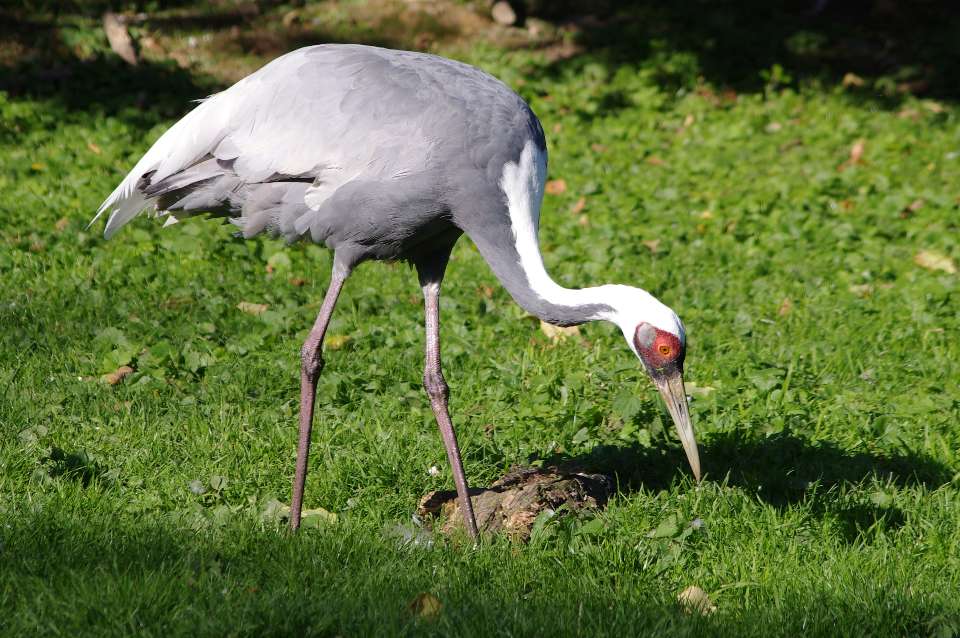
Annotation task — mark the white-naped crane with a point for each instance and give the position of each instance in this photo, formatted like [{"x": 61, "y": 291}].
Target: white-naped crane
[{"x": 389, "y": 155}]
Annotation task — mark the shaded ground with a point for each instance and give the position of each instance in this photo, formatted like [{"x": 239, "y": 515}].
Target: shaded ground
[
  {"x": 878, "y": 49},
  {"x": 804, "y": 227}
]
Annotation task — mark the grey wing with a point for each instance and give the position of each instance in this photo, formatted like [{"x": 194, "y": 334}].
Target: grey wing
[{"x": 271, "y": 149}]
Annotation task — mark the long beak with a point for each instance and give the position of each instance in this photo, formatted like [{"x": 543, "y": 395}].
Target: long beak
[{"x": 671, "y": 389}]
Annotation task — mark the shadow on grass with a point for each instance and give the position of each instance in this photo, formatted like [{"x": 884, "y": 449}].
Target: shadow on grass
[
  {"x": 92, "y": 573},
  {"x": 77, "y": 466},
  {"x": 782, "y": 470},
  {"x": 141, "y": 95},
  {"x": 48, "y": 67},
  {"x": 898, "y": 48},
  {"x": 46, "y": 63}
]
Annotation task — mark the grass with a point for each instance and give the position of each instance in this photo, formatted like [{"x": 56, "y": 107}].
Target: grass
[{"x": 825, "y": 357}]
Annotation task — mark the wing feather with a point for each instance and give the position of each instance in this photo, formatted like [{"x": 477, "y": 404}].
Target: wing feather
[{"x": 329, "y": 115}]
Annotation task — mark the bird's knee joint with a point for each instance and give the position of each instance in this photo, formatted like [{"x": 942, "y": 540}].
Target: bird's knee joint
[
  {"x": 311, "y": 360},
  {"x": 435, "y": 385}
]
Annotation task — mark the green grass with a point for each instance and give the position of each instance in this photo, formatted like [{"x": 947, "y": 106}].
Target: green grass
[{"x": 830, "y": 437}]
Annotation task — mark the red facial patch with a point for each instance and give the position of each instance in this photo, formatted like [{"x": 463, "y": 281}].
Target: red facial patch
[{"x": 657, "y": 347}]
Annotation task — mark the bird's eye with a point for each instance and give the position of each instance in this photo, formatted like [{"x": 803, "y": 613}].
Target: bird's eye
[{"x": 664, "y": 350}]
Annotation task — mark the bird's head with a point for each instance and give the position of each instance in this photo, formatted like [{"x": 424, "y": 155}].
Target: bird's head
[{"x": 655, "y": 334}]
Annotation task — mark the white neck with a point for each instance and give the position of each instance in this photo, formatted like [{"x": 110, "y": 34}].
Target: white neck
[{"x": 522, "y": 183}]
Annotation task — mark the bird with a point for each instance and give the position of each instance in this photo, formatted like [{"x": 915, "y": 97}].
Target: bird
[{"x": 389, "y": 155}]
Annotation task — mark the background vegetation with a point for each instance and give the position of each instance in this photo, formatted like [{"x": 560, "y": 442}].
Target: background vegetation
[{"x": 784, "y": 175}]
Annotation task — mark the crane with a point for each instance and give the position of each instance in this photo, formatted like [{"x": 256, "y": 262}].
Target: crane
[{"x": 389, "y": 155}]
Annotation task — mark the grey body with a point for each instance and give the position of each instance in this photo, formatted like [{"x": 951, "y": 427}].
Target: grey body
[
  {"x": 377, "y": 154},
  {"x": 388, "y": 155}
]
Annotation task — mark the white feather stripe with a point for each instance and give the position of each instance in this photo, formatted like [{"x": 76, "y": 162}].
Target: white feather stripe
[{"x": 522, "y": 183}]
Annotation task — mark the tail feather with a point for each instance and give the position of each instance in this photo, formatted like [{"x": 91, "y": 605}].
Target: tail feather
[
  {"x": 182, "y": 145},
  {"x": 127, "y": 207}
]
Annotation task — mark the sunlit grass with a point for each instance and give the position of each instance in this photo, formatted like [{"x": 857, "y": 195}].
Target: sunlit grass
[{"x": 825, "y": 360}]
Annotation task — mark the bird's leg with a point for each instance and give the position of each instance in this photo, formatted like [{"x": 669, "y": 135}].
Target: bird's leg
[
  {"x": 311, "y": 363},
  {"x": 437, "y": 390}
]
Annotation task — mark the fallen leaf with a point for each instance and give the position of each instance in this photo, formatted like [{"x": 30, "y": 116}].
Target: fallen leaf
[
  {"x": 61, "y": 224},
  {"x": 579, "y": 206},
  {"x": 558, "y": 333},
  {"x": 94, "y": 148},
  {"x": 274, "y": 510},
  {"x": 148, "y": 43},
  {"x": 119, "y": 38},
  {"x": 426, "y": 606},
  {"x": 911, "y": 208},
  {"x": 38, "y": 166},
  {"x": 916, "y": 87},
  {"x": 785, "y": 307},
  {"x": 934, "y": 107},
  {"x": 694, "y": 600},
  {"x": 175, "y": 302},
  {"x": 653, "y": 160},
  {"x": 707, "y": 214},
  {"x": 277, "y": 262},
  {"x": 598, "y": 148},
  {"x": 252, "y": 308},
  {"x": 297, "y": 281},
  {"x": 852, "y": 79},
  {"x": 689, "y": 120},
  {"x": 700, "y": 391},
  {"x": 666, "y": 529},
  {"x": 856, "y": 151},
  {"x": 861, "y": 290},
  {"x": 909, "y": 114},
  {"x": 335, "y": 342},
  {"x": 856, "y": 155},
  {"x": 653, "y": 245},
  {"x": 290, "y": 17},
  {"x": 556, "y": 187},
  {"x": 409, "y": 535},
  {"x": 773, "y": 127},
  {"x": 583, "y": 220},
  {"x": 932, "y": 260},
  {"x": 317, "y": 517},
  {"x": 503, "y": 13},
  {"x": 118, "y": 375}
]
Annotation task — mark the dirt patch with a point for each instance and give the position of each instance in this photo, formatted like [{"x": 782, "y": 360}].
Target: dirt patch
[{"x": 512, "y": 503}]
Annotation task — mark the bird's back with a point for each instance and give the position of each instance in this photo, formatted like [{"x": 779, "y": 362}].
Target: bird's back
[{"x": 350, "y": 144}]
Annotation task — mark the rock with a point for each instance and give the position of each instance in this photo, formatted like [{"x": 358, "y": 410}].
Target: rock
[
  {"x": 557, "y": 334},
  {"x": 693, "y": 600},
  {"x": 503, "y": 13},
  {"x": 513, "y": 502}
]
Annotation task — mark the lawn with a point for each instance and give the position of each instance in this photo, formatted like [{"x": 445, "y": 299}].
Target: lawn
[{"x": 802, "y": 221}]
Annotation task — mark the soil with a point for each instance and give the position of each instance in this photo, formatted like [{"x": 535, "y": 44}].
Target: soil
[{"x": 512, "y": 503}]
